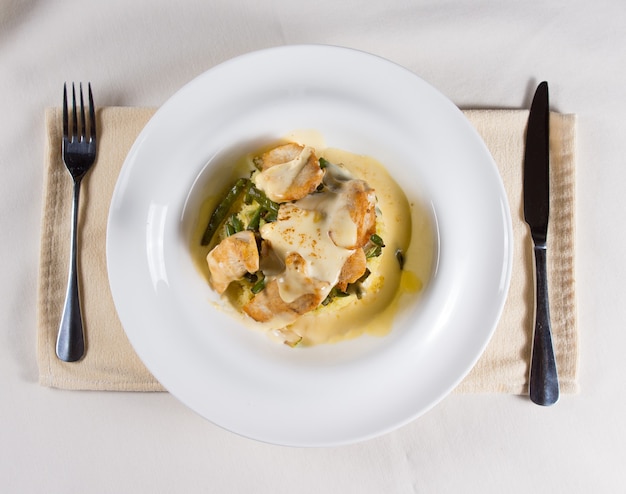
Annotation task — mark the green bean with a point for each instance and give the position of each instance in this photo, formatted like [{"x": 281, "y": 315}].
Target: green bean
[
  {"x": 259, "y": 285},
  {"x": 255, "y": 220},
  {"x": 270, "y": 216},
  {"x": 374, "y": 247},
  {"x": 357, "y": 287},
  {"x": 229, "y": 229},
  {"x": 334, "y": 292},
  {"x": 223, "y": 208},
  {"x": 237, "y": 223},
  {"x": 377, "y": 240},
  {"x": 324, "y": 163},
  {"x": 373, "y": 251},
  {"x": 262, "y": 200}
]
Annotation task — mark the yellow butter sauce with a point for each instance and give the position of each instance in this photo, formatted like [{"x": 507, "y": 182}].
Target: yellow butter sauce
[{"x": 405, "y": 226}]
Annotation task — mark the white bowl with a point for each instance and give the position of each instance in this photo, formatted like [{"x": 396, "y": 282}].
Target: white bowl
[{"x": 328, "y": 394}]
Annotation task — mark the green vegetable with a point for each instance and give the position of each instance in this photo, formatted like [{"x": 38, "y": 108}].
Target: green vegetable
[
  {"x": 373, "y": 251},
  {"x": 242, "y": 191},
  {"x": 223, "y": 209},
  {"x": 267, "y": 211},
  {"x": 334, "y": 293},
  {"x": 229, "y": 229},
  {"x": 376, "y": 240},
  {"x": 374, "y": 247},
  {"x": 400, "y": 258},
  {"x": 236, "y": 222},
  {"x": 233, "y": 225},
  {"x": 324, "y": 163},
  {"x": 254, "y": 194},
  {"x": 260, "y": 284},
  {"x": 255, "y": 220}
]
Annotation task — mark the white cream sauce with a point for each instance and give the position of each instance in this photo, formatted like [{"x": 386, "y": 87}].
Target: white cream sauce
[
  {"x": 276, "y": 180},
  {"x": 304, "y": 227}
]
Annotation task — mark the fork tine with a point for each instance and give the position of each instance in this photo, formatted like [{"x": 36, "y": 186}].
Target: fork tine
[
  {"x": 65, "y": 116},
  {"x": 83, "y": 124},
  {"x": 74, "y": 114},
  {"x": 92, "y": 115}
]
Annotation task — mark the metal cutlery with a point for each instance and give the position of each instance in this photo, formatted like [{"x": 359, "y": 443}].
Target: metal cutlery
[
  {"x": 79, "y": 154},
  {"x": 544, "y": 382}
]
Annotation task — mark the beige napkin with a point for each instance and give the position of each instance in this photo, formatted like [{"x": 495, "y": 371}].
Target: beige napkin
[{"x": 110, "y": 362}]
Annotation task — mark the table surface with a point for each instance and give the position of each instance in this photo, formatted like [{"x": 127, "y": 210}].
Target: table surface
[{"x": 481, "y": 54}]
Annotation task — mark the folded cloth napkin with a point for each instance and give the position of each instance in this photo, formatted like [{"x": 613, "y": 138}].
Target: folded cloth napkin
[{"x": 110, "y": 362}]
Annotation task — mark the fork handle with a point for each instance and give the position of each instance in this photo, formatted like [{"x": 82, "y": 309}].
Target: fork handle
[
  {"x": 544, "y": 381},
  {"x": 70, "y": 339}
]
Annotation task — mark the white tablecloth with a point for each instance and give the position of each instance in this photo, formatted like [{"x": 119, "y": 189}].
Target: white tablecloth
[{"x": 485, "y": 54}]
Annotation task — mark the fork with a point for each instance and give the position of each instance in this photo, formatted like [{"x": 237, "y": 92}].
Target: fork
[{"x": 79, "y": 154}]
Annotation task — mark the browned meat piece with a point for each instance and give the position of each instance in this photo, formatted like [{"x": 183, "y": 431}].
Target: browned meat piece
[
  {"x": 360, "y": 201},
  {"x": 352, "y": 270},
  {"x": 288, "y": 172},
  {"x": 278, "y": 155},
  {"x": 232, "y": 258},
  {"x": 268, "y": 304}
]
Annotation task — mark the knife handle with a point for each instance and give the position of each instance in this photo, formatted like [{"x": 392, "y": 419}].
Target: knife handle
[{"x": 544, "y": 381}]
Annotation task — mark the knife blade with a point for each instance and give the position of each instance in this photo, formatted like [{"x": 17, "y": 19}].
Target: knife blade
[{"x": 543, "y": 381}]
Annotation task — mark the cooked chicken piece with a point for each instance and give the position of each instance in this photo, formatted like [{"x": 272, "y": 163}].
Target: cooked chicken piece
[
  {"x": 267, "y": 305},
  {"x": 278, "y": 155},
  {"x": 304, "y": 295},
  {"x": 360, "y": 202},
  {"x": 232, "y": 258},
  {"x": 352, "y": 270},
  {"x": 288, "y": 172}
]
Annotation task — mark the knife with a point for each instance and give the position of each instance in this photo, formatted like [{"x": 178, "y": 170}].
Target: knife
[{"x": 544, "y": 382}]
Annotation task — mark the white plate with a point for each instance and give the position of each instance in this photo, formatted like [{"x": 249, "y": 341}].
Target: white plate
[{"x": 329, "y": 394}]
